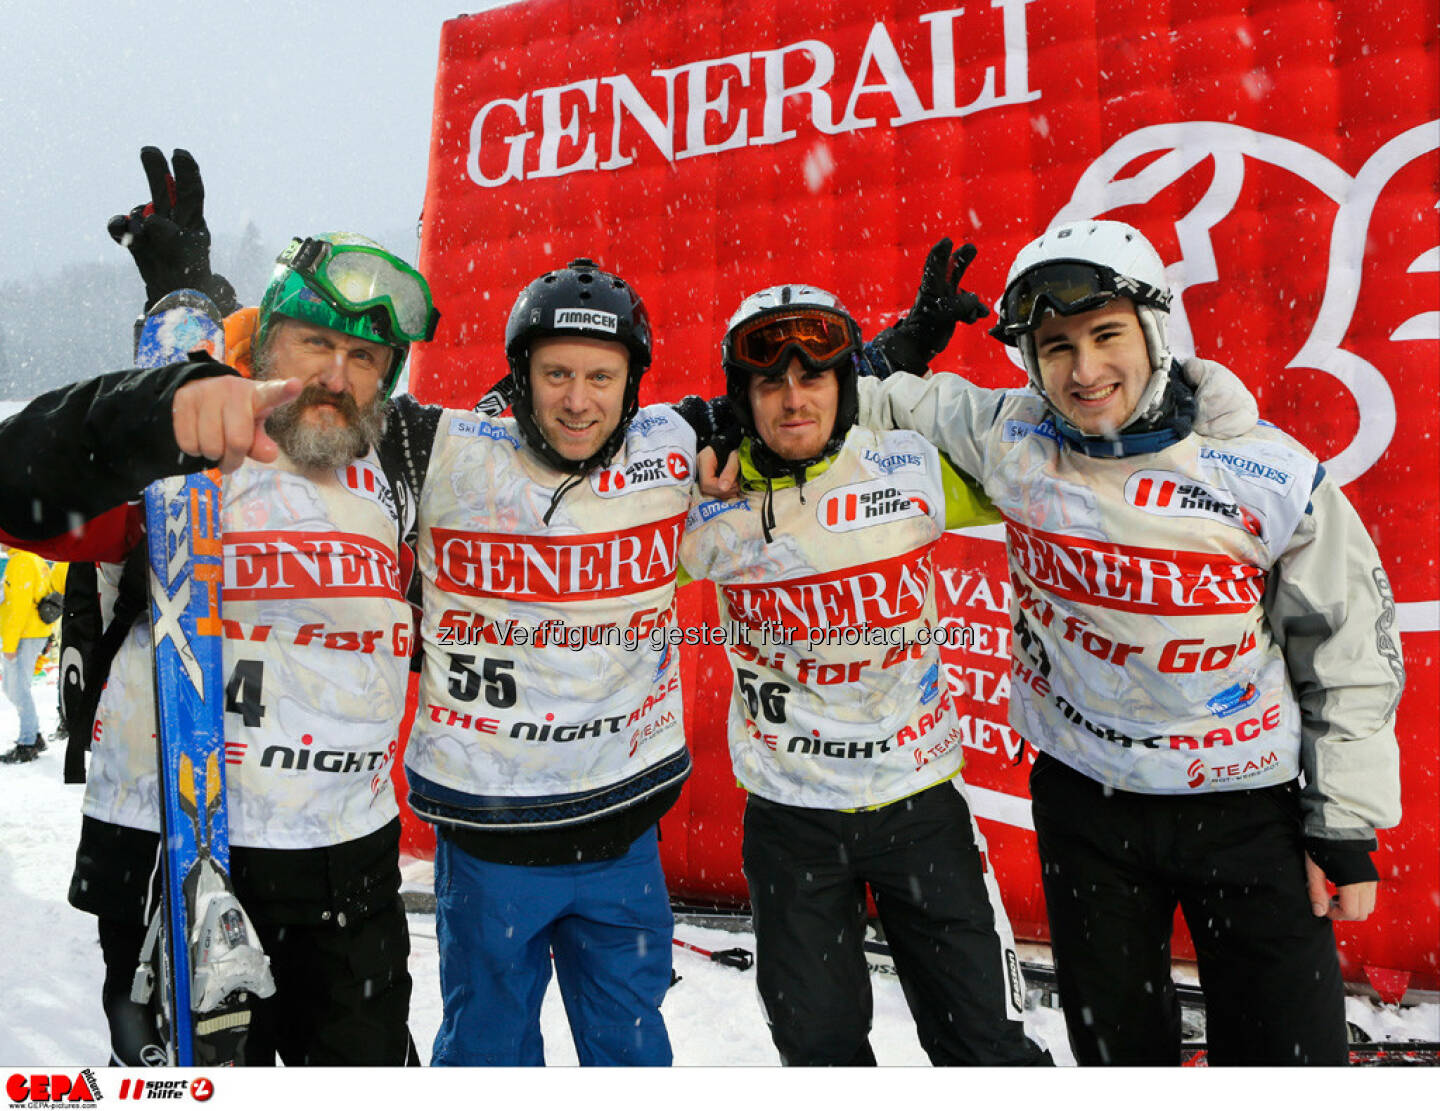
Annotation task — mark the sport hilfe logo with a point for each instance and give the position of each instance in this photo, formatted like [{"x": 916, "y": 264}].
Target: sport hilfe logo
[
  {"x": 1171, "y": 495},
  {"x": 200, "y": 1089},
  {"x": 864, "y": 504}
]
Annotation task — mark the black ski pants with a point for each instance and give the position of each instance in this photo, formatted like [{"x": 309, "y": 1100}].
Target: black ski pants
[
  {"x": 807, "y": 871},
  {"x": 342, "y": 994},
  {"x": 330, "y": 920},
  {"x": 1116, "y": 863}
]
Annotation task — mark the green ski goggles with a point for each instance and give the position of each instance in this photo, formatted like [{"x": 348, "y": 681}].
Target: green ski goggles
[{"x": 366, "y": 280}]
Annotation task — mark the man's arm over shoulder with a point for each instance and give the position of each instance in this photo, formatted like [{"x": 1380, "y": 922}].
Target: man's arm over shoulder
[
  {"x": 74, "y": 453},
  {"x": 1332, "y": 611},
  {"x": 409, "y": 438},
  {"x": 965, "y": 502},
  {"x": 953, "y": 414}
]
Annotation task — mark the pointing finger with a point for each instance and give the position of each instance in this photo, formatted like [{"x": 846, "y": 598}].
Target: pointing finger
[{"x": 272, "y": 393}]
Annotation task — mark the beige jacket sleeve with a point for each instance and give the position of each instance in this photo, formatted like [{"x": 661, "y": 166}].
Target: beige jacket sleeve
[{"x": 1332, "y": 612}]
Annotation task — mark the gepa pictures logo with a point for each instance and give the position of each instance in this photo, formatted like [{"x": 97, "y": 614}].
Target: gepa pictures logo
[{"x": 57, "y": 1089}]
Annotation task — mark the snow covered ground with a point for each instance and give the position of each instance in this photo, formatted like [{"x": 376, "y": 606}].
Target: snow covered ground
[{"x": 50, "y": 967}]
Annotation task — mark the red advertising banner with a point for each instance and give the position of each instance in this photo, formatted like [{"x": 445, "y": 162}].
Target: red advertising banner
[{"x": 1282, "y": 155}]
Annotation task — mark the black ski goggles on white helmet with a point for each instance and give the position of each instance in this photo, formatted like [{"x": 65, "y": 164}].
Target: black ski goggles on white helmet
[
  {"x": 360, "y": 279},
  {"x": 820, "y": 338},
  {"x": 1065, "y": 288}
]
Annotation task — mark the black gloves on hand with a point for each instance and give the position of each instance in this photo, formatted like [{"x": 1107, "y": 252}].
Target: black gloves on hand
[
  {"x": 940, "y": 304},
  {"x": 167, "y": 237},
  {"x": 714, "y": 423}
]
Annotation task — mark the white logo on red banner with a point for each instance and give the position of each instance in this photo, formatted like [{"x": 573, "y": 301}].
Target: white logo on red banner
[
  {"x": 750, "y": 109},
  {"x": 552, "y": 569},
  {"x": 884, "y": 593},
  {"x": 308, "y": 565},
  {"x": 1110, "y": 182}
]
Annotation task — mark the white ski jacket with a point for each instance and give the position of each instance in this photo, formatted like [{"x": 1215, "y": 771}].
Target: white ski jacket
[
  {"x": 543, "y": 701},
  {"x": 839, "y": 702},
  {"x": 1205, "y": 617}
]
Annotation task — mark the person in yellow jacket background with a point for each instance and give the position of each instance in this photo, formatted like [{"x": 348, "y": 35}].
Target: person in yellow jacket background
[{"x": 23, "y": 634}]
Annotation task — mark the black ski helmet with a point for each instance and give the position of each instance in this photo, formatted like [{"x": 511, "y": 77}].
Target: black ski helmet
[
  {"x": 584, "y": 302},
  {"x": 779, "y": 303}
]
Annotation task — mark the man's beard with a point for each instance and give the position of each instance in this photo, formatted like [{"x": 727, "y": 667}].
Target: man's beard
[{"x": 321, "y": 444}]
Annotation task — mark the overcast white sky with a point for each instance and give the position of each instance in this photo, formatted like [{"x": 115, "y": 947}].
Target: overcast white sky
[{"x": 301, "y": 115}]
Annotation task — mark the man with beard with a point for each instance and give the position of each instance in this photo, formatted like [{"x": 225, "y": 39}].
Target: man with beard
[
  {"x": 318, "y": 635},
  {"x": 580, "y": 455}
]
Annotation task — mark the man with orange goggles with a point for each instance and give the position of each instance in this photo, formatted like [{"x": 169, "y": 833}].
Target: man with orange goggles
[
  {"x": 817, "y": 335},
  {"x": 841, "y": 729}
]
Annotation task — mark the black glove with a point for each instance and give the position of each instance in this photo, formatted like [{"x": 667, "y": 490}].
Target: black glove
[
  {"x": 940, "y": 304},
  {"x": 167, "y": 237},
  {"x": 714, "y": 423}
]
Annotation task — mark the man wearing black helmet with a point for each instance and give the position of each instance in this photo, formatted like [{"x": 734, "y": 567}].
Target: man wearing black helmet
[
  {"x": 549, "y": 739},
  {"x": 544, "y": 761},
  {"x": 842, "y": 730}
]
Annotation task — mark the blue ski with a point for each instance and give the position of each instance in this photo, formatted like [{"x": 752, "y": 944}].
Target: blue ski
[{"x": 209, "y": 960}]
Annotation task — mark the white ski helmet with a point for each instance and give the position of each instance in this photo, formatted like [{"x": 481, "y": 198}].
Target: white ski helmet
[
  {"x": 796, "y": 320},
  {"x": 1077, "y": 267}
]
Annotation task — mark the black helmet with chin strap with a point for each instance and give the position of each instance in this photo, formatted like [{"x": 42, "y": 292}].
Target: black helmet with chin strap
[
  {"x": 582, "y": 302},
  {"x": 768, "y": 329}
]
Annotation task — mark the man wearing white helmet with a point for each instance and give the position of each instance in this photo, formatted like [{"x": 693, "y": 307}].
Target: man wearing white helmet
[
  {"x": 841, "y": 730},
  {"x": 1204, "y": 655}
]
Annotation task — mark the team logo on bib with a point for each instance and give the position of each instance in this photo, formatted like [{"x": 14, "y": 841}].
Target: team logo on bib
[
  {"x": 1167, "y": 494},
  {"x": 641, "y": 473},
  {"x": 1244, "y": 465},
  {"x": 863, "y": 504},
  {"x": 364, "y": 478},
  {"x": 888, "y": 462},
  {"x": 468, "y": 426}
]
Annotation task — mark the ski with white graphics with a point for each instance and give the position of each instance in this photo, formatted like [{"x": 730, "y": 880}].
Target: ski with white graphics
[{"x": 202, "y": 946}]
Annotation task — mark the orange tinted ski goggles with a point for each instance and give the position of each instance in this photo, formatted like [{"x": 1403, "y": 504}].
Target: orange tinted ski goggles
[{"x": 819, "y": 337}]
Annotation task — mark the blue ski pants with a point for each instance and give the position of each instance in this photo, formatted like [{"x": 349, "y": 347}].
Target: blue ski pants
[
  {"x": 17, "y": 674},
  {"x": 609, "y": 926}
]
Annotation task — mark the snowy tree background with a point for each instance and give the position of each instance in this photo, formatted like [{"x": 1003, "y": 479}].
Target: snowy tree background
[{"x": 304, "y": 117}]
